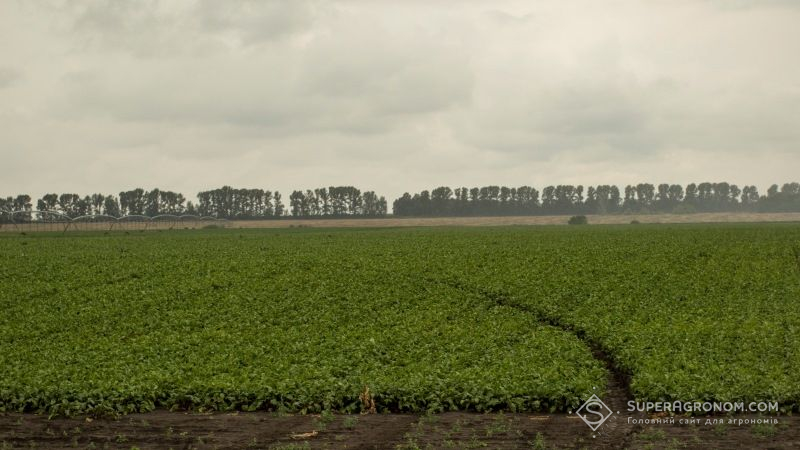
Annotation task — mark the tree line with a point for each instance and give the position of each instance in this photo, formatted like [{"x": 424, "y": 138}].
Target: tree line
[
  {"x": 225, "y": 202},
  {"x": 601, "y": 199},
  {"x": 128, "y": 203},
  {"x": 337, "y": 202},
  {"x": 348, "y": 201},
  {"x": 333, "y": 201}
]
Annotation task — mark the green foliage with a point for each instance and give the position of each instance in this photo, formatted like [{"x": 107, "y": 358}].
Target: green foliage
[
  {"x": 693, "y": 313},
  {"x": 578, "y": 220},
  {"x": 295, "y": 320},
  {"x": 538, "y": 443},
  {"x": 350, "y": 422},
  {"x": 428, "y": 319},
  {"x": 766, "y": 430}
]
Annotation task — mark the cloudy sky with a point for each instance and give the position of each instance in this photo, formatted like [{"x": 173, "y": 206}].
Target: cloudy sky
[{"x": 102, "y": 96}]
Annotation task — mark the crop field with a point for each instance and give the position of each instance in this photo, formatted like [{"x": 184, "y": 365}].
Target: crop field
[{"x": 513, "y": 319}]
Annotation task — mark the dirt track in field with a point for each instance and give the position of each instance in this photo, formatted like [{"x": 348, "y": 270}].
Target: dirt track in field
[
  {"x": 408, "y": 222},
  {"x": 261, "y": 430},
  {"x": 517, "y": 220}
]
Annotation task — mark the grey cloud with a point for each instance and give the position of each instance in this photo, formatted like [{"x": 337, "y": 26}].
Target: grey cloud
[
  {"x": 346, "y": 85},
  {"x": 505, "y": 18},
  {"x": 391, "y": 78},
  {"x": 155, "y": 29},
  {"x": 750, "y": 4},
  {"x": 634, "y": 123},
  {"x": 396, "y": 95},
  {"x": 604, "y": 117},
  {"x": 9, "y": 76},
  {"x": 254, "y": 21}
]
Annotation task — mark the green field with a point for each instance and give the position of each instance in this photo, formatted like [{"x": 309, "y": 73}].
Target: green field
[{"x": 428, "y": 319}]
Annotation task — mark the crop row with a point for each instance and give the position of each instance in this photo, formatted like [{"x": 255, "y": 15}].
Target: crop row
[
  {"x": 277, "y": 321},
  {"x": 428, "y": 319}
]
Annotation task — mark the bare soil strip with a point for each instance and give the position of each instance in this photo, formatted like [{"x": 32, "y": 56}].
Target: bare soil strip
[
  {"x": 262, "y": 430},
  {"x": 388, "y": 222},
  {"x": 516, "y": 220}
]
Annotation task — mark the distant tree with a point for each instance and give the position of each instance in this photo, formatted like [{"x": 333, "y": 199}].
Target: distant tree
[
  {"x": 674, "y": 197},
  {"x": 662, "y": 198},
  {"x": 440, "y": 200},
  {"x": 22, "y": 202},
  {"x": 355, "y": 202},
  {"x": 296, "y": 199},
  {"x": 474, "y": 195},
  {"x": 85, "y": 206},
  {"x": 691, "y": 197},
  {"x": 278, "y": 205},
  {"x": 424, "y": 203},
  {"x": 645, "y": 196},
  {"x": 97, "y": 201},
  {"x": 630, "y": 204},
  {"x": 462, "y": 203},
  {"x": 783, "y": 200},
  {"x": 735, "y": 192},
  {"x": 602, "y": 199},
  {"x": 132, "y": 202},
  {"x": 152, "y": 203},
  {"x": 111, "y": 206},
  {"x": 68, "y": 204},
  {"x": 48, "y": 202},
  {"x": 403, "y": 206},
  {"x": 549, "y": 199},
  {"x": 615, "y": 199},
  {"x": 323, "y": 201},
  {"x": 374, "y": 206},
  {"x": 749, "y": 199}
]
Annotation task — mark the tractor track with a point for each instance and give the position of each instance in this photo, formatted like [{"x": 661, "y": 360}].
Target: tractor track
[{"x": 616, "y": 432}]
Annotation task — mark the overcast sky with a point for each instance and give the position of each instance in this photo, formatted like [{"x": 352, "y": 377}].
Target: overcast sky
[{"x": 103, "y": 96}]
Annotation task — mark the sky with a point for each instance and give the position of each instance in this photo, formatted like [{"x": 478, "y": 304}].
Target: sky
[{"x": 105, "y": 96}]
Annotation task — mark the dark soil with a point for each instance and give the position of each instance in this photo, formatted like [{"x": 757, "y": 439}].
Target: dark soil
[{"x": 176, "y": 430}]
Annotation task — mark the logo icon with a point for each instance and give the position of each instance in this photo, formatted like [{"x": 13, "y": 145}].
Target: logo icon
[{"x": 594, "y": 412}]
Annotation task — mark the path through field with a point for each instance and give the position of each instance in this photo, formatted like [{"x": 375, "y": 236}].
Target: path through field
[{"x": 517, "y": 220}]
